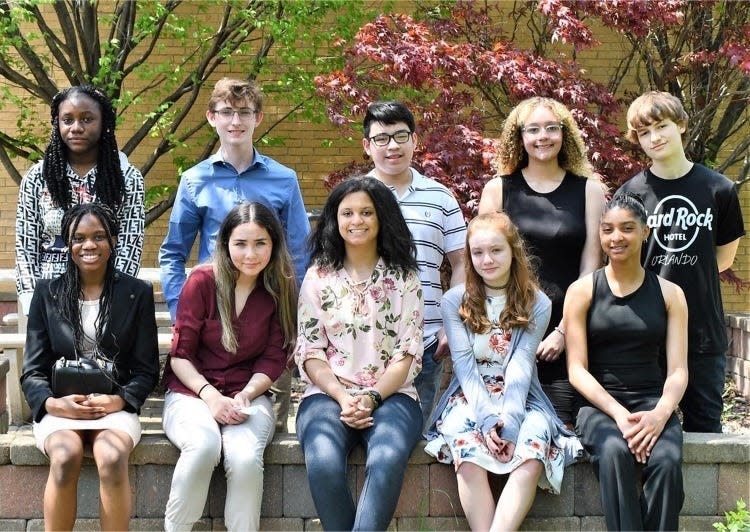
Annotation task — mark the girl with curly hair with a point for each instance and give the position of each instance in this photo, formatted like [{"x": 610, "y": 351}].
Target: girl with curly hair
[{"x": 547, "y": 187}]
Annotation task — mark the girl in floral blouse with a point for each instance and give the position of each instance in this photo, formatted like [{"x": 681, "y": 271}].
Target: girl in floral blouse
[
  {"x": 359, "y": 349},
  {"x": 494, "y": 416}
]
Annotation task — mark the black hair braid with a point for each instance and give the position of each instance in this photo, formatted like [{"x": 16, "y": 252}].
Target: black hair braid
[
  {"x": 68, "y": 293},
  {"x": 110, "y": 181},
  {"x": 54, "y": 169}
]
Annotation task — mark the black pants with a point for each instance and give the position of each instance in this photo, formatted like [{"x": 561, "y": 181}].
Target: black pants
[
  {"x": 658, "y": 506},
  {"x": 702, "y": 403}
]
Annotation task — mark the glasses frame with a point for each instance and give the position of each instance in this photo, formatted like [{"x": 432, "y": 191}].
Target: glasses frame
[
  {"x": 391, "y": 137},
  {"x": 557, "y": 129},
  {"x": 242, "y": 113}
]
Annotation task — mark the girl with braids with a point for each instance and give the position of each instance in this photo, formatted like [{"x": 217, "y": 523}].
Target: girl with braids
[
  {"x": 359, "y": 348},
  {"x": 235, "y": 327},
  {"x": 90, "y": 309},
  {"x": 621, "y": 320},
  {"x": 548, "y": 189},
  {"x": 81, "y": 164},
  {"x": 494, "y": 416}
]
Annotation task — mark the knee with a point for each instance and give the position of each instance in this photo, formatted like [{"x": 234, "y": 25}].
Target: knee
[
  {"x": 65, "y": 462},
  {"x": 612, "y": 452},
  {"x": 112, "y": 463},
  {"x": 665, "y": 465},
  {"x": 246, "y": 465},
  {"x": 203, "y": 451},
  {"x": 471, "y": 473},
  {"x": 386, "y": 457}
]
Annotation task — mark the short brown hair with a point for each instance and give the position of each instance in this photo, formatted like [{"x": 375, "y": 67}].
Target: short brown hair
[
  {"x": 236, "y": 92},
  {"x": 652, "y": 107}
]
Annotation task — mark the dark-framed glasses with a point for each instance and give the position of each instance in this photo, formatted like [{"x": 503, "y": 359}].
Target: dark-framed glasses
[
  {"x": 534, "y": 130},
  {"x": 401, "y": 136},
  {"x": 227, "y": 112}
]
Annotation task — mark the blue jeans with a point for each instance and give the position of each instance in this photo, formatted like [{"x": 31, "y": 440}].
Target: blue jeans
[
  {"x": 427, "y": 382},
  {"x": 327, "y": 442}
]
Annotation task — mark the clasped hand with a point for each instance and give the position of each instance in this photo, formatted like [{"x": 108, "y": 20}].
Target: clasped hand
[
  {"x": 356, "y": 411},
  {"x": 79, "y": 406},
  {"x": 226, "y": 410},
  {"x": 642, "y": 430},
  {"x": 501, "y": 448}
]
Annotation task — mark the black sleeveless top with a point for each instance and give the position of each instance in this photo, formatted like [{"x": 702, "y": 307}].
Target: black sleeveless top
[
  {"x": 626, "y": 336},
  {"x": 553, "y": 225}
]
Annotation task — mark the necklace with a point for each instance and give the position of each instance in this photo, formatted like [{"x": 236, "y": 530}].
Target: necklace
[{"x": 495, "y": 287}]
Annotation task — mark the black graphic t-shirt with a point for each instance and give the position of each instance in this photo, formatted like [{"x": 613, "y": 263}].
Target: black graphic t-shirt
[{"x": 690, "y": 216}]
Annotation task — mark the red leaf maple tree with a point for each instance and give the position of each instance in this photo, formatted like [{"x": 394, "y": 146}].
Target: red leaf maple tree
[{"x": 461, "y": 66}]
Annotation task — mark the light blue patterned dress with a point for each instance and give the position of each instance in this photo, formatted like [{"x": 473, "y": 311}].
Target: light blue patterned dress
[{"x": 460, "y": 439}]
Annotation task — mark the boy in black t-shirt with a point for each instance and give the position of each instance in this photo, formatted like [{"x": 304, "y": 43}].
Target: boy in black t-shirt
[{"x": 696, "y": 223}]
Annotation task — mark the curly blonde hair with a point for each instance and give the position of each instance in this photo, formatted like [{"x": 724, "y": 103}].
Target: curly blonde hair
[{"x": 512, "y": 156}]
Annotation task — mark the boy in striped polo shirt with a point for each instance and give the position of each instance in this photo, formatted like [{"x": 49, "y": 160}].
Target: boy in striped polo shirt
[{"x": 434, "y": 219}]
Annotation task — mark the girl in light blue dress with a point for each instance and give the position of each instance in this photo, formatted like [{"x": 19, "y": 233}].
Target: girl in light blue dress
[{"x": 494, "y": 416}]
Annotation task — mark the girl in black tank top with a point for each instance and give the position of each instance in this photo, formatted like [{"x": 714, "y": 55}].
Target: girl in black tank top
[
  {"x": 547, "y": 190},
  {"x": 620, "y": 319}
]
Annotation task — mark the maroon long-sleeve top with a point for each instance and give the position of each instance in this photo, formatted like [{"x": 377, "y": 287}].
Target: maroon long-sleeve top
[{"x": 197, "y": 337}]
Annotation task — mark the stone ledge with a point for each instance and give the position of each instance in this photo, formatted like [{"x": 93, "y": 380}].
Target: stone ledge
[
  {"x": 18, "y": 448},
  {"x": 738, "y": 320}
]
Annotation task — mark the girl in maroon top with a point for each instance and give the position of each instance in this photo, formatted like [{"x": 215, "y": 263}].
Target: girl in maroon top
[{"x": 236, "y": 323}]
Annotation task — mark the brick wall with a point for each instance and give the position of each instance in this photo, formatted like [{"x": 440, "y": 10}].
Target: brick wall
[
  {"x": 716, "y": 470},
  {"x": 313, "y": 150},
  {"x": 738, "y": 358}
]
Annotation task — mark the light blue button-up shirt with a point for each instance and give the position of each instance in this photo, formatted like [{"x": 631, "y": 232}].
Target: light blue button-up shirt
[{"x": 206, "y": 194}]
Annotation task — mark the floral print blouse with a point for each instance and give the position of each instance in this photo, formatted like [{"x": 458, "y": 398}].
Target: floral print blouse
[{"x": 360, "y": 328}]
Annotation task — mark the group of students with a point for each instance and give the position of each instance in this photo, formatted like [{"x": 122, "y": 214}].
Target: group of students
[{"x": 538, "y": 376}]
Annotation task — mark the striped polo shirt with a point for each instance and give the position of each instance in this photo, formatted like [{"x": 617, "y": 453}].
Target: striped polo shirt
[{"x": 438, "y": 227}]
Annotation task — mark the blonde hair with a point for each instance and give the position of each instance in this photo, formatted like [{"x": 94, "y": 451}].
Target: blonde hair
[
  {"x": 512, "y": 156},
  {"x": 522, "y": 284},
  {"x": 237, "y": 92},
  {"x": 652, "y": 107}
]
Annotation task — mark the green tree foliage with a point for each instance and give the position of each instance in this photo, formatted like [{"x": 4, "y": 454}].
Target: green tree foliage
[{"x": 123, "y": 47}]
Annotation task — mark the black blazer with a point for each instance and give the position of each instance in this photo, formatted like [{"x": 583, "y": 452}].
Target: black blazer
[{"x": 130, "y": 339}]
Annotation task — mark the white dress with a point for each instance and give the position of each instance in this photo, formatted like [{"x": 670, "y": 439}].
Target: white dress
[{"x": 460, "y": 440}]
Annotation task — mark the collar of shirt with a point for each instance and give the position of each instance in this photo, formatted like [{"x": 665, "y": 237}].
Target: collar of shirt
[{"x": 258, "y": 159}]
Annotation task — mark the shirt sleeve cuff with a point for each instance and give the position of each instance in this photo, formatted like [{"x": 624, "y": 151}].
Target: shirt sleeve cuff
[{"x": 24, "y": 302}]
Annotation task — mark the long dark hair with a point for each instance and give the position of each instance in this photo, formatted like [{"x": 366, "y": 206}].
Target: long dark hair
[
  {"x": 277, "y": 277},
  {"x": 68, "y": 289},
  {"x": 110, "y": 182},
  {"x": 395, "y": 244}
]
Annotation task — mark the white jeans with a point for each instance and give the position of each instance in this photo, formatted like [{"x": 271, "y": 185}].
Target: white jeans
[{"x": 189, "y": 424}]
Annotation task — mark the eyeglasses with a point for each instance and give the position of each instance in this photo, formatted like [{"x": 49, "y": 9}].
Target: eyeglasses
[
  {"x": 533, "y": 131},
  {"x": 401, "y": 136},
  {"x": 227, "y": 112}
]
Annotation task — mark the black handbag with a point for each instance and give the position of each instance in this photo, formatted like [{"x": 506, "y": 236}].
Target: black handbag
[{"x": 82, "y": 376}]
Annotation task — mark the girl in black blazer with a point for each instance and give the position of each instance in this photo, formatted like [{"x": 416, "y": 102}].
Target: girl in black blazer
[{"x": 91, "y": 308}]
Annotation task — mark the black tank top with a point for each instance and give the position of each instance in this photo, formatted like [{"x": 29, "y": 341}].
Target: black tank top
[
  {"x": 553, "y": 225},
  {"x": 626, "y": 336}
]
